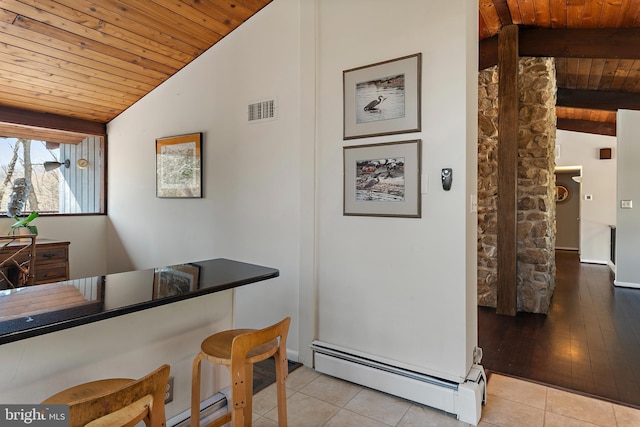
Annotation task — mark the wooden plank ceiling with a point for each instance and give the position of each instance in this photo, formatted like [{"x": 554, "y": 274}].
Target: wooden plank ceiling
[
  {"x": 597, "y": 51},
  {"x": 89, "y": 60}
]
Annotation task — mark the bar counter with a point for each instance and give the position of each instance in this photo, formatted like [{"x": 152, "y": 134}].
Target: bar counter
[{"x": 36, "y": 310}]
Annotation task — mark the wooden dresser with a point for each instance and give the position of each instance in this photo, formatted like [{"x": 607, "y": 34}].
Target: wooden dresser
[{"x": 52, "y": 260}]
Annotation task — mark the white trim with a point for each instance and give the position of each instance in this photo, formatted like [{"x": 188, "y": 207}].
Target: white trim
[
  {"x": 316, "y": 344},
  {"x": 217, "y": 402},
  {"x": 594, "y": 261},
  {"x": 464, "y": 399},
  {"x": 292, "y": 355},
  {"x": 626, "y": 284},
  {"x": 612, "y": 266}
]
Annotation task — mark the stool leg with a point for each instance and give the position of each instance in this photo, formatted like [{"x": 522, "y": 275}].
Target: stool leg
[
  {"x": 281, "y": 376},
  {"x": 248, "y": 408},
  {"x": 195, "y": 391},
  {"x": 243, "y": 404}
]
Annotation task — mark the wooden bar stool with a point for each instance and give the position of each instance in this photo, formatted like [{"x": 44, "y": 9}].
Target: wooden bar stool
[
  {"x": 117, "y": 402},
  {"x": 239, "y": 349}
]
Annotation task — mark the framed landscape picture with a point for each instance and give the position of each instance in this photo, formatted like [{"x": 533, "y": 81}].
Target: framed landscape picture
[
  {"x": 179, "y": 166},
  {"x": 382, "y": 98},
  {"x": 383, "y": 179},
  {"x": 175, "y": 280}
]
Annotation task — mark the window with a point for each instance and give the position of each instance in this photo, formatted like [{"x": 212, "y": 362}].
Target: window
[{"x": 64, "y": 178}]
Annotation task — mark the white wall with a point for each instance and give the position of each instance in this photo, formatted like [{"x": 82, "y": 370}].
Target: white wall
[
  {"x": 628, "y": 220},
  {"x": 394, "y": 287},
  {"x": 251, "y": 211},
  {"x": 87, "y": 236},
  {"x": 251, "y": 172},
  {"x": 127, "y": 346},
  {"x": 598, "y": 180},
  {"x": 261, "y": 203}
]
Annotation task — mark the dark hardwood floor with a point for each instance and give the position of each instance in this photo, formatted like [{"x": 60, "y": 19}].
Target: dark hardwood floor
[{"x": 589, "y": 342}]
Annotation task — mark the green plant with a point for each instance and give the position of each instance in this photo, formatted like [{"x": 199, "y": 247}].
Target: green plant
[{"x": 25, "y": 223}]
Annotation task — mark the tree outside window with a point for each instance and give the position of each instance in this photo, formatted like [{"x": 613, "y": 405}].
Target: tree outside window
[{"x": 73, "y": 190}]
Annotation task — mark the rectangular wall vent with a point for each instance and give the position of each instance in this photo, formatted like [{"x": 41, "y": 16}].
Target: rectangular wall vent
[{"x": 262, "y": 111}]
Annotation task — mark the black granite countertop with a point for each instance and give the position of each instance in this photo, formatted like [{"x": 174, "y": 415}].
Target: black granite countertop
[{"x": 37, "y": 310}]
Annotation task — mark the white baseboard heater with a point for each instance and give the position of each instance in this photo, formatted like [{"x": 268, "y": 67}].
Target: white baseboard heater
[
  {"x": 210, "y": 409},
  {"x": 464, "y": 400}
]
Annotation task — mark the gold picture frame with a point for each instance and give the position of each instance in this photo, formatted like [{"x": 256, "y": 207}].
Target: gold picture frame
[{"x": 179, "y": 166}]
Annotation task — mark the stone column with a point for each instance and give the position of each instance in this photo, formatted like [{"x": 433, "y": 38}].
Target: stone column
[
  {"x": 536, "y": 185},
  {"x": 487, "y": 186}
]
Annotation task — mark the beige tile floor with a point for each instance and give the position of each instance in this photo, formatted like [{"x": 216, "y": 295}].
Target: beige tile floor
[{"x": 315, "y": 399}]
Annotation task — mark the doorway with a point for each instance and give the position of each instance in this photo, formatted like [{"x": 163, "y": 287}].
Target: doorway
[{"x": 568, "y": 209}]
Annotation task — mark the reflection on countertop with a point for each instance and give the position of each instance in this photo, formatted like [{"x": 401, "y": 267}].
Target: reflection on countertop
[{"x": 36, "y": 310}]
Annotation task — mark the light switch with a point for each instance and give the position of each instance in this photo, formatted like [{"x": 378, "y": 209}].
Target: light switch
[
  {"x": 424, "y": 186},
  {"x": 588, "y": 196},
  {"x": 626, "y": 204}
]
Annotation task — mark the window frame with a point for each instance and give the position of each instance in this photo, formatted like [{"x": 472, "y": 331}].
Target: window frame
[{"x": 19, "y": 123}]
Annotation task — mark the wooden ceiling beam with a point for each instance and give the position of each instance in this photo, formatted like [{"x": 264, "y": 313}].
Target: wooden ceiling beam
[
  {"x": 606, "y": 43},
  {"x": 488, "y": 53},
  {"x": 587, "y": 126},
  {"x": 40, "y": 134},
  {"x": 502, "y": 9},
  {"x": 17, "y": 116},
  {"x": 603, "y": 43},
  {"x": 598, "y": 100}
]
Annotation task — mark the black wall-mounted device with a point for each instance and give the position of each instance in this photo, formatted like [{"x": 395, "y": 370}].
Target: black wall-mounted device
[{"x": 447, "y": 178}]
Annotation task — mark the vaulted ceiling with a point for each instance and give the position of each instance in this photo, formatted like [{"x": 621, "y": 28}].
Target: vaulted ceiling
[
  {"x": 89, "y": 60},
  {"x": 86, "y": 61},
  {"x": 596, "y": 44}
]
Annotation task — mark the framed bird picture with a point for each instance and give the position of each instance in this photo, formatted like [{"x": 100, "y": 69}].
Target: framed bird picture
[
  {"x": 383, "y": 179},
  {"x": 382, "y": 98}
]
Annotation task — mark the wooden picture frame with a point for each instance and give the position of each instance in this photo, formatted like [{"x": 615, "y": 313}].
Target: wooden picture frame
[
  {"x": 179, "y": 166},
  {"x": 175, "y": 280},
  {"x": 605, "y": 154},
  {"x": 383, "y": 98},
  {"x": 383, "y": 179}
]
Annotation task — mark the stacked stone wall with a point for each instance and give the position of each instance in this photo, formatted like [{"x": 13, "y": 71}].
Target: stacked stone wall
[
  {"x": 487, "y": 186},
  {"x": 536, "y": 185}
]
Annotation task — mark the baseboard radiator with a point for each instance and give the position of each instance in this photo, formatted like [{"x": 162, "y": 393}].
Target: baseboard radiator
[
  {"x": 464, "y": 400},
  {"x": 210, "y": 409}
]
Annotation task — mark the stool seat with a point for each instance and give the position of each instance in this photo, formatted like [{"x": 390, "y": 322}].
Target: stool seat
[
  {"x": 238, "y": 350},
  {"x": 117, "y": 402},
  {"x": 217, "y": 347}
]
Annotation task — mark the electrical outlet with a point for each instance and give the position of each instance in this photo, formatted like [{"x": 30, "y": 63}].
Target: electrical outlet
[{"x": 168, "y": 393}]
